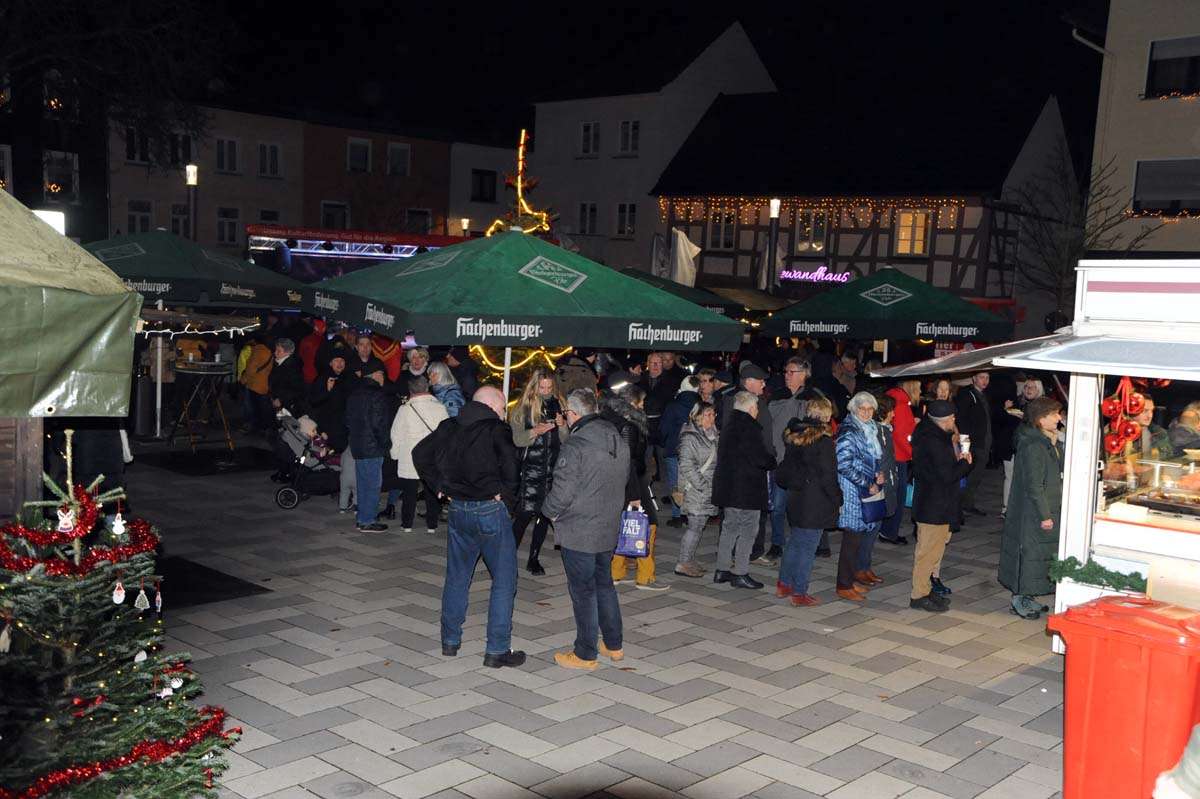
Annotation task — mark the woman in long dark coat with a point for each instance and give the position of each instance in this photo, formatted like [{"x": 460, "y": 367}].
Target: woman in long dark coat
[
  {"x": 1030, "y": 541},
  {"x": 538, "y": 428}
]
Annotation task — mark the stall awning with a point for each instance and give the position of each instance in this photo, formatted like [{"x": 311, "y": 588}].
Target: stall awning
[
  {"x": 751, "y": 299},
  {"x": 1068, "y": 352}
]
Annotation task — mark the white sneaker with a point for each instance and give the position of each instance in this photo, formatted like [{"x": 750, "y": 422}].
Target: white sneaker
[
  {"x": 431, "y": 531},
  {"x": 408, "y": 529}
]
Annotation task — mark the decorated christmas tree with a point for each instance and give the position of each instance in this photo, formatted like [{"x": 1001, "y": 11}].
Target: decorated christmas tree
[
  {"x": 90, "y": 705},
  {"x": 522, "y": 216}
]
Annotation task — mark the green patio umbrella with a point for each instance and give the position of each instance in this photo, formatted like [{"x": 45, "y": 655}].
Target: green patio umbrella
[
  {"x": 705, "y": 299},
  {"x": 888, "y": 305},
  {"x": 516, "y": 290},
  {"x": 66, "y": 342},
  {"x": 162, "y": 266}
]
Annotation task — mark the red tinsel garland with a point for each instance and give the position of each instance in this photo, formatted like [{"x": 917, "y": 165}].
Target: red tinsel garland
[
  {"x": 144, "y": 752},
  {"x": 141, "y": 539},
  {"x": 88, "y": 513}
]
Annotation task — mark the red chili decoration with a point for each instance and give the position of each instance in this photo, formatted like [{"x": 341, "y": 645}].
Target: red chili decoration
[
  {"x": 83, "y": 705},
  {"x": 144, "y": 752},
  {"x": 1113, "y": 444}
]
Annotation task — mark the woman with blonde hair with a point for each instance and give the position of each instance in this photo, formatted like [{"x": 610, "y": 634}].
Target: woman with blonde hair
[
  {"x": 809, "y": 473},
  {"x": 538, "y": 427}
]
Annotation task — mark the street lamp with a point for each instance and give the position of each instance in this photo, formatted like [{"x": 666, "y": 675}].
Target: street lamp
[
  {"x": 466, "y": 226},
  {"x": 192, "y": 176},
  {"x": 772, "y": 242}
]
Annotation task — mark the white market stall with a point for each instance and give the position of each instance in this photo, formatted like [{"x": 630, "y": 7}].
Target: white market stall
[{"x": 1133, "y": 509}]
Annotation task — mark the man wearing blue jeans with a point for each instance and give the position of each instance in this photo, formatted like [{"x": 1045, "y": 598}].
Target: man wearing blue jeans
[
  {"x": 369, "y": 424},
  {"x": 585, "y": 505},
  {"x": 472, "y": 460},
  {"x": 787, "y": 403}
]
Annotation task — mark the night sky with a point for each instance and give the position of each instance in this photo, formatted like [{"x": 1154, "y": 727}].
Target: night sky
[{"x": 447, "y": 66}]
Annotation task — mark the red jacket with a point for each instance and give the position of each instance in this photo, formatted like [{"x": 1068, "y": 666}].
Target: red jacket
[
  {"x": 307, "y": 350},
  {"x": 902, "y": 425}
]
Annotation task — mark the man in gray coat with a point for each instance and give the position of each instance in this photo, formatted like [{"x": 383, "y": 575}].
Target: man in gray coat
[{"x": 585, "y": 506}]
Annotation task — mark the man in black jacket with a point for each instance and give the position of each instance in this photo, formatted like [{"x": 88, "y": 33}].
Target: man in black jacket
[
  {"x": 740, "y": 487},
  {"x": 369, "y": 424},
  {"x": 937, "y": 468},
  {"x": 974, "y": 413},
  {"x": 472, "y": 460}
]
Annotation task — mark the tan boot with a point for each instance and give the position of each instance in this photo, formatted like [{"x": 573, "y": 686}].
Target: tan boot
[
  {"x": 569, "y": 660},
  {"x": 611, "y": 654}
]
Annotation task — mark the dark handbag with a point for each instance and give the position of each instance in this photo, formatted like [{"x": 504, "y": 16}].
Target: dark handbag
[{"x": 874, "y": 507}]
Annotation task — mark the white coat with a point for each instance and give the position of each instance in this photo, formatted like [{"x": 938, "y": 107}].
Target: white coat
[{"x": 415, "y": 420}]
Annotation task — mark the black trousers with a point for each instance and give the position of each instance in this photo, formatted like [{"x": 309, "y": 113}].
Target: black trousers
[
  {"x": 408, "y": 504},
  {"x": 850, "y": 544},
  {"x": 540, "y": 525}
]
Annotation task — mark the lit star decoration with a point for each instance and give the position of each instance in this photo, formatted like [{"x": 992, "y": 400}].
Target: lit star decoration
[{"x": 522, "y": 217}]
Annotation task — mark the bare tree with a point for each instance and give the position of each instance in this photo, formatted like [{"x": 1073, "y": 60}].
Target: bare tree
[{"x": 1060, "y": 224}]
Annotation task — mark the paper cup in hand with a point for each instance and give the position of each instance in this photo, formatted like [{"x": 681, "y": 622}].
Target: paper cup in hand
[{"x": 965, "y": 445}]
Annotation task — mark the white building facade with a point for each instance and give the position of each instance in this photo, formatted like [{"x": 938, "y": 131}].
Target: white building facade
[{"x": 477, "y": 190}]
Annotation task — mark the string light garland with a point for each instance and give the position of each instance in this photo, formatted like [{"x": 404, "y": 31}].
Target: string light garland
[
  {"x": 693, "y": 209},
  {"x": 1167, "y": 217},
  {"x": 142, "y": 753},
  {"x": 522, "y": 217},
  {"x": 540, "y": 352}
]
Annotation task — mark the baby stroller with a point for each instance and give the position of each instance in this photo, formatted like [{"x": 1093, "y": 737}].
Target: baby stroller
[{"x": 314, "y": 470}]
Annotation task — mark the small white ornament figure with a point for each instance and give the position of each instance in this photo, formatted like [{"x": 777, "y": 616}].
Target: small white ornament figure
[
  {"x": 66, "y": 520},
  {"x": 118, "y": 593},
  {"x": 164, "y": 693},
  {"x": 140, "y": 657},
  {"x": 142, "y": 602},
  {"x": 5, "y": 638},
  {"x": 176, "y": 683},
  {"x": 118, "y": 524},
  {"x": 158, "y": 600}
]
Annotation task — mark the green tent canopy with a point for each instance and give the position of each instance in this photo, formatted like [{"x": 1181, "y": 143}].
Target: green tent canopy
[
  {"x": 705, "y": 299},
  {"x": 888, "y": 305},
  {"x": 516, "y": 290},
  {"x": 162, "y": 266},
  {"x": 66, "y": 342}
]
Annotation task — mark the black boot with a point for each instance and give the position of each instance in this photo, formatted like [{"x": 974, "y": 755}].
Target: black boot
[
  {"x": 388, "y": 513},
  {"x": 533, "y": 566}
]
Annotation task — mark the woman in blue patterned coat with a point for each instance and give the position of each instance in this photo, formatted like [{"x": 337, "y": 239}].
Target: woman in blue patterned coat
[{"x": 858, "y": 457}]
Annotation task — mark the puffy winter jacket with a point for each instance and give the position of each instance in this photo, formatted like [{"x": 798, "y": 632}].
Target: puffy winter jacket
[
  {"x": 697, "y": 466},
  {"x": 902, "y": 425},
  {"x": 415, "y": 420},
  {"x": 809, "y": 474},
  {"x": 451, "y": 396},
  {"x": 538, "y": 456},
  {"x": 856, "y": 465}
]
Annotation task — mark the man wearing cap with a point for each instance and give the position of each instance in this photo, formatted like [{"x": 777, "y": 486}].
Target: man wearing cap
[
  {"x": 464, "y": 368},
  {"x": 937, "y": 468}
]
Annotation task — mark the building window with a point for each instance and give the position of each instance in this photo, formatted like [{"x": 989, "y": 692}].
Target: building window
[
  {"x": 630, "y": 135},
  {"x": 138, "y": 219},
  {"x": 1174, "y": 67},
  {"x": 181, "y": 149},
  {"x": 137, "y": 146},
  {"x": 268, "y": 160},
  {"x": 483, "y": 186},
  {"x": 912, "y": 232},
  {"x": 268, "y": 216},
  {"x": 61, "y": 176},
  {"x": 335, "y": 216},
  {"x": 418, "y": 220},
  {"x": 587, "y": 219},
  {"x": 589, "y": 138},
  {"x": 181, "y": 220},
  {"x": 1168, "y": 187},
  {"x": 358, "y": 155},
  {"x": 626, "y": 219},
  {"x": 810, "y": 231},
  {"x": 227, "y": 156},
  {"x": 722, "y": 226},
  {"x": 227, "y": 225},
  {"x": 399, "y": 159},
  {"x": 6, "y": 168}
]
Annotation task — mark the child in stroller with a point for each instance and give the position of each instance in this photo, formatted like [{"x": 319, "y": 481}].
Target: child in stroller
[{"x": 314, "y": 468}]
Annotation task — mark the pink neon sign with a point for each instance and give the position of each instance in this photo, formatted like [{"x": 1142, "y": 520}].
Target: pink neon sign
[{"x": 820, "y": 275}]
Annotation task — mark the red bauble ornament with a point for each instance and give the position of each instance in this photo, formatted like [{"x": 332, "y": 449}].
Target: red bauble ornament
[
  {"x": 1113, "y": 444},
  {"x": 1131, "y": 430},
  {"x": 1111, "y": 407},
  {"x": 1135, "y": 403}
]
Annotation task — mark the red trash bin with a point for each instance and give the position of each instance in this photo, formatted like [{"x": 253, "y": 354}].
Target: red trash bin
[{"x": 1132, "y": 693}]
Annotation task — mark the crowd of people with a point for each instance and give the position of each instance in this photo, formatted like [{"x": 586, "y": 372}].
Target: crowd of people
[{"x": 772, "y": 457}]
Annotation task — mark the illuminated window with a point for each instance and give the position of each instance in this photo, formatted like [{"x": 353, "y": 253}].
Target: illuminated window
[
  {"x": 912, "y": 232},
  {"x": 6, "y": 168},
  {"x": 587, "y": 219},
  {"x": 418, "y": 220},
  {"x": 181, "y": 220},
  {"x": 227, "y": 156},
  {"x": 722, "y": 225},
  {"x": 626, "y": 219},
  {"x": 399, "y": 159},
  {"x": 483, "y": 186},
  {"x": 137, "y": 146},
  {"x": 227, "y": 225},
  {"x": 589, "y": 138},
  {"x": 139, "y": 217},
  {"x": 358, "y": 155},
  {"x": 268, "y": 160},
  {"x": 810, "y": 231},
  {"x": 630, "y": 137},
  {"x": 1174, "y": 67},
  {"x": 1169, "y": 186},
  {"x": 61, "y": 175},
  {"x": 335, "y": 216}
]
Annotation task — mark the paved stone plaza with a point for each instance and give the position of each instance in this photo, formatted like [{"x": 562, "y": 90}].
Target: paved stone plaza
[{"x": 337, "y": 676}]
